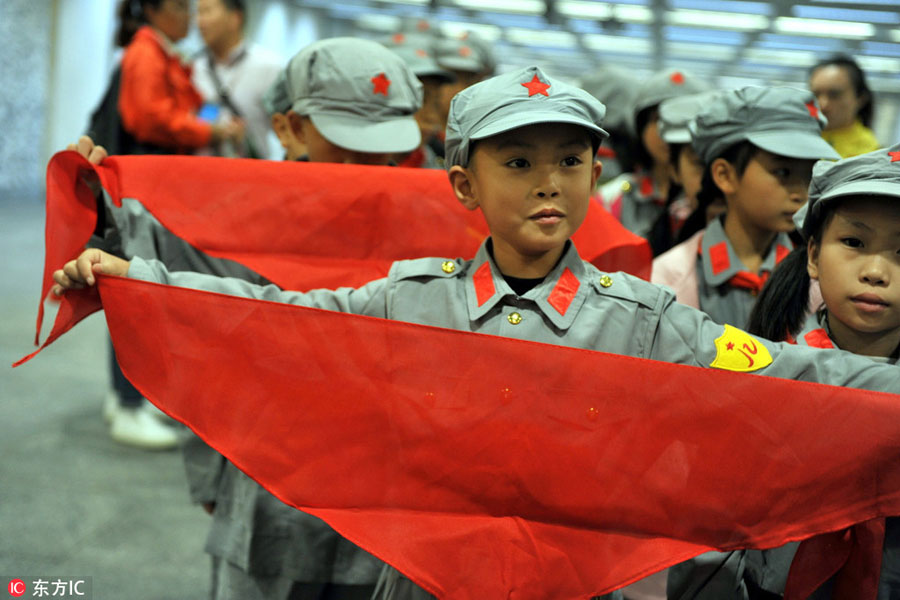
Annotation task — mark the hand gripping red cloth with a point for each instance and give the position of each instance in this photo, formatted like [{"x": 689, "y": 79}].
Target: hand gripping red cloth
[
  {"x": 301, "y": 225},
  {"x": 487, "y": 467}
]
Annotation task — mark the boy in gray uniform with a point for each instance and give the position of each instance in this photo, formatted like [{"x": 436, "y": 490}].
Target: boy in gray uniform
[{"x": 521, "y": 148}]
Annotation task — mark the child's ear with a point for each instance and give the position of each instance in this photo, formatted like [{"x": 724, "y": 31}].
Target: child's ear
[
  {"x": 461, "y": 182},
  {"x": 724, "y": 176},
  {"x": 596, "y": 170},
  {"x": 281, "y": 125},
  {"x": 812, "y": 259},
  {"x": 296, "y": 122}
]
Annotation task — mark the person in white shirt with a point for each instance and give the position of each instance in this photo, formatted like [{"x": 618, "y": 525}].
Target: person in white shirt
[{"x": 232, "y": 75}]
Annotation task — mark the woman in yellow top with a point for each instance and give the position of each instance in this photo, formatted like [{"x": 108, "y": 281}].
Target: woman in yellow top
[{"x": 841, "y": 91}]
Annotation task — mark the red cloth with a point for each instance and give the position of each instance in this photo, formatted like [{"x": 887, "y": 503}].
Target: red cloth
[
  {"x": 157, "y": 100},
  {"x": 852, "y": 556},
  {"x": 301, "y": 225},
  {"x": 481, "y": 478},
  {"x": 492, "y": 467}
]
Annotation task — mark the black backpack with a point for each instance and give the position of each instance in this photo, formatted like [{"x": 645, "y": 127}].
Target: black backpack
[{"x": 106, "y": 129}]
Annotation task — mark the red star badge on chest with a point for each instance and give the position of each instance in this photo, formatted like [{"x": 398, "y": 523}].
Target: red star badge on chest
[
  {"x": 536, "y": 86},
  {"x": 380, "y": 84},
  {"x": 677, "y": 78},
  {"x": 895, "y": 156},
  {"x": 813, "y": 110}
]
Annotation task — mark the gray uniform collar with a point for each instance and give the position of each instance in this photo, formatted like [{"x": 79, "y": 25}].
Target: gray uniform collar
[
  {"x": 721, "y": 263},
  {"x": 817, "y": 334},
  {"x": 559, "y": 296}
]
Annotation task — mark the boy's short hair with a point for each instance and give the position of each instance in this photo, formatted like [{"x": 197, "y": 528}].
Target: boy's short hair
[
  {"x": 873, "y": 174},
  {"x": 358, "y": 94},
  {"x": 781, "y": 120},
  {"x": 505, "y": 102}
]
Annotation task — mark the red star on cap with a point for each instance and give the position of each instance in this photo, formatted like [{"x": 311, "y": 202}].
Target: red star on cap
[
  {"x": 465, "y": 51},
  {"x": 677, "y": 78},
  {"x": 398, "y": 38},
  {"x": 813, "y": 110},
  {"x": 895, "y": 156},
  {"x": 381, "y": 84},
  {"x": 421, "y": 53},
  {"x": 536, "y": 86}
]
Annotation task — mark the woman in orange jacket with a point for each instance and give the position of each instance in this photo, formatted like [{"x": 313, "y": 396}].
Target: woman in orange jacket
[{"x": 157, "y": 102}]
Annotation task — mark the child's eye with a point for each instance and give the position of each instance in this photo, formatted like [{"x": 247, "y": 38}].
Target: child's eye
[
  {"x": 783, "y": 173},
  {"x": 571, "y": 161},
  {"x": 852, "y": 242},
  {"x": 517, "y": 163}
]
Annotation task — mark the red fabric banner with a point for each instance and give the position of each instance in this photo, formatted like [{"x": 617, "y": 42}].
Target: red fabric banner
[
  {"x": 438, "y": 451},
  {"x": 301, "y": 225}
]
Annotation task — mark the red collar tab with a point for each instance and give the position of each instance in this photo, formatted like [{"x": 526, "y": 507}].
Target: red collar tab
[
  {"x": 677, "y": 78},
  {"x": 483, "y": 280},
  {"x": 813, "y": 110},
  {"x": 536, "y": 86},
  {"x": 564, "y": 292},
  {"x": 818, "y": 338},
  {"x": 895, "y": 156},
  {"x": 718, "y": 258},
  {"x": 780, "y": 253},
  {"x": 380, "y": 84}
]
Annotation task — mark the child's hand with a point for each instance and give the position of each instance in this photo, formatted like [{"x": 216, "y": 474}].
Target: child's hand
[
  {"x": 85, "y": 147},
  {"x": 78, "y": 273}
]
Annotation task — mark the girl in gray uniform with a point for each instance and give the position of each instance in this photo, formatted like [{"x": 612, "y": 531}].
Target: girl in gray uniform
[
  {"x": 520, "y": 148},
  {"x": 758, "y": 145}
]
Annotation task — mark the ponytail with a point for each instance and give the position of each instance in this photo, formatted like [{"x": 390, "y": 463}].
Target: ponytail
[{"x": 782, "y": 304}]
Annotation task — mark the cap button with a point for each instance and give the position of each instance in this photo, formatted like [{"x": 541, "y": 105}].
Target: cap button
[
  {"x": 605, "y": 281},
  {"x": 448, "y": 266}
]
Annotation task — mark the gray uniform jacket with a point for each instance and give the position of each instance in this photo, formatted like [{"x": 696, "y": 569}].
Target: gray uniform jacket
[
  {"x": 576, "y": 305},
  {"x": 251, "y": 529},
  {"x": 634, "y": 200}
]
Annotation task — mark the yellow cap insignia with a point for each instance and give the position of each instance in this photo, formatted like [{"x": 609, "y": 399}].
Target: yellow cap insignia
[{"x": 737, "y": 350}]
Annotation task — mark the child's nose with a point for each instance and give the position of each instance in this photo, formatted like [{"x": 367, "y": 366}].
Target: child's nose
[
  {"x": 547, "y": 186},
  {"x": 875, "y": 271}
]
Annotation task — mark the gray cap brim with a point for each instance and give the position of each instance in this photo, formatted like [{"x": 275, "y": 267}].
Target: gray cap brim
[
  {"x": 680, "y": 135},
  {"x": 361, "y": 135},
  {"x": 521, "y": 119},
  {"x": 793, "y": 144},
  {"x": 866, "y": 187}
]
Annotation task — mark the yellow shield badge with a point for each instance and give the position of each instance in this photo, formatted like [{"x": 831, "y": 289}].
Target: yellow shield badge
[{"x": 737, "y": 350}]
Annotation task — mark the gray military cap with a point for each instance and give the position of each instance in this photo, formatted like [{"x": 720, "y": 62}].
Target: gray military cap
[
  {"x": 781, "y": 120},
  {"x": 358, "y": 94},
  {"x": 874, "y": 174},
  {"x": 616, "y": 88},
  {"x": 417, "y": 51},
  {"x": 664, "y": 85},
  {"x": 676, "y": 113},
  {"x": 277, "y": 98},
  {"x": 468, "y": 52},
  {"x": 523, "y": 97}
]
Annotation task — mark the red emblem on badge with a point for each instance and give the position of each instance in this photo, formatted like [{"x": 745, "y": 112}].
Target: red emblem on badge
[
  {"x": 677, "y": 78},
  {"x": 380, "y": 84},
  {"x": 536, "y": 86}
]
